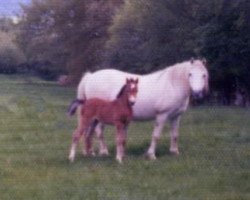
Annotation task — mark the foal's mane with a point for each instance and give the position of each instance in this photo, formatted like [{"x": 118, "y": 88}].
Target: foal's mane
[{"x": 121, "y": 91}]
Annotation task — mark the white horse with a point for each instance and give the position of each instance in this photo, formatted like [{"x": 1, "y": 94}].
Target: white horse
[{"x": 163, "y": 95}]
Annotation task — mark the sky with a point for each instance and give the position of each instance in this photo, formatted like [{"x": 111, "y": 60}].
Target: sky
[{"x": 11, "y": 7}]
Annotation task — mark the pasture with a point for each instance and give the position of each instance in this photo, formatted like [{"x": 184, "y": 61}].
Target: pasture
[{"x": 35, "y": 136}]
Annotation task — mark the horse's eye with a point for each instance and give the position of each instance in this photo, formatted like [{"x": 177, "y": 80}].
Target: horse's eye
[
  {"x": 189, "y": 75},
  {"x": 204, "y": 76}
]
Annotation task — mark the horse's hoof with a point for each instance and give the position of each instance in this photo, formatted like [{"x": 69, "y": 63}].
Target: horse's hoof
[
  {"x": 174, "y": 152},
  {"x": 119, "y": 160},
  {"x": 150, "y": 156}
]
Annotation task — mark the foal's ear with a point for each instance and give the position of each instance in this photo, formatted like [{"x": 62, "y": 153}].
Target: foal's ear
[
  {"x": 136, "y": 80},
  {"x": 127, "y": 80}
]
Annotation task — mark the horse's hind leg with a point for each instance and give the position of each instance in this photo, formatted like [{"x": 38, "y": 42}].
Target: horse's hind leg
[{"x": 103, "y": 149}]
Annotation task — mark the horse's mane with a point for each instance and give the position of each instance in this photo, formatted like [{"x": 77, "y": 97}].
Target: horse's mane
[
  {"x": 178, "y": 66},
  {"x": 121, "y": 92}
]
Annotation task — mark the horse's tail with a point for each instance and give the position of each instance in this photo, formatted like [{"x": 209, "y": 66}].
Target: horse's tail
[
  {"x": 81, "y": 86},
  {"x": 81, "y": 96},
  {"x": 73, "y": 106}
]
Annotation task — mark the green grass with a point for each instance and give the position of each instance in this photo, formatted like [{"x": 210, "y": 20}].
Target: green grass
[{"x": 35, "y": 136}]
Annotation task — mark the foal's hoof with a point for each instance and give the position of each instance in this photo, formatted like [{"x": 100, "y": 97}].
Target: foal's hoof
[
  {"x": 72, "y": 156},
  {"x": 89, "y": 153},
  {"x": 104, "y": 152},
  {"x": 150, "y": 156},
  {"x": 71, "y": 159}
]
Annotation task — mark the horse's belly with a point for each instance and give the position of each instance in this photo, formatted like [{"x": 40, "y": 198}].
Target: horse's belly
[{"x": 143, "y": 112}]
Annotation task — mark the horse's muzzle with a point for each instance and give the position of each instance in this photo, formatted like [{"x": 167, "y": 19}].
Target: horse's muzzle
[{"x": 198, "y": 95}]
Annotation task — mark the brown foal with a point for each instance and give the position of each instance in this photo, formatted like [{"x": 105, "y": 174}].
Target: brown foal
[{"x": 117, "y": 112}]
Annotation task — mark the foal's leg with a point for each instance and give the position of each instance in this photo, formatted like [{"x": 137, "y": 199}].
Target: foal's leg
[
  {"x": 159, "y": 125},
  {"x": 174, "y": 134},
  {"x": 88, "y": 147},
  {"x": 103, "y": 150},
  {"x": 75, "y": 139},
  {"x": 120, "y": 141}
]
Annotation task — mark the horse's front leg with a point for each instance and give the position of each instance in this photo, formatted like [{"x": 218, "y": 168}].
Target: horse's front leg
[
  {"x": 121, "y": 135},
  {"x": 103, "y": 149},
  {"x": 158, "y": 127},
  {"x": 174, "y": 134}
]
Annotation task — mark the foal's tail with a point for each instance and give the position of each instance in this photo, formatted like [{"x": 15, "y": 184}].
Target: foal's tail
[{"x": 73, "y": 106}]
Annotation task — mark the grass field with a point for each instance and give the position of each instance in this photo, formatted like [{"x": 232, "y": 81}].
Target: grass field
[{"x": 35, "y": 136}]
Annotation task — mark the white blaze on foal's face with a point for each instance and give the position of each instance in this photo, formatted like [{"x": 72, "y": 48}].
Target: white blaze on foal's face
[
  {"x": 132, "y": 90},
  {"x": 133, "y": 93},
  {"x": 132, "y": 86}
]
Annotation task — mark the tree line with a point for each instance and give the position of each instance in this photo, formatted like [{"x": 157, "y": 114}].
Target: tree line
[{"x": 73, "y": 36}]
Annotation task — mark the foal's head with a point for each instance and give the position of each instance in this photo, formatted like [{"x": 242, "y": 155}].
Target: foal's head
[{"x": 129, "y": 91}]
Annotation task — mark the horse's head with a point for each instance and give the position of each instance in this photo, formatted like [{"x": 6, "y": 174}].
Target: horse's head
[
  {"x": 198, "y": 78},
  {"x": 129, "y": 90}
]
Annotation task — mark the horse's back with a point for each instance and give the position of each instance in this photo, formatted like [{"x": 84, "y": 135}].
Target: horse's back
[{"x": 105, "y": 83}]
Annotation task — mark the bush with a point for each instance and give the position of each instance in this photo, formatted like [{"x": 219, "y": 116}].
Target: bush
[{"x": 45, "y": 70}]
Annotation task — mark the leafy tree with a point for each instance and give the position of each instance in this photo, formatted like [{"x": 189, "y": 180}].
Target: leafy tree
[
  {"x": 6, "y": 24},
  {"x": 225, "y": 41},
  {"x": 67, "y": 33},
  {"x": 147, "y": 34},
  {"x": 10, "y": 54}
]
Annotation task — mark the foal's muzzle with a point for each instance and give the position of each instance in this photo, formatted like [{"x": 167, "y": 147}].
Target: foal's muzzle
[
  {"x": 131, "y": 103},
  {"x": 132, "y": 100}
]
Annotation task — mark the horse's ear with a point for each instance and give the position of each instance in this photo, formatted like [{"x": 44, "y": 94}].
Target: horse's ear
[
  {"x": 127, "y": 80},
  {"x": 136, "y": 80},
  {"x": 204, "y": 61},
  {"x": 192, "y": 60},
  {"x": 207, "y": 85}
]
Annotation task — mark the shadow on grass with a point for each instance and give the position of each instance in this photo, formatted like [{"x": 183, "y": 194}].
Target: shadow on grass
[
  {"x": 132, "y": 152},
  {"x": 140, "y": 150}
]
